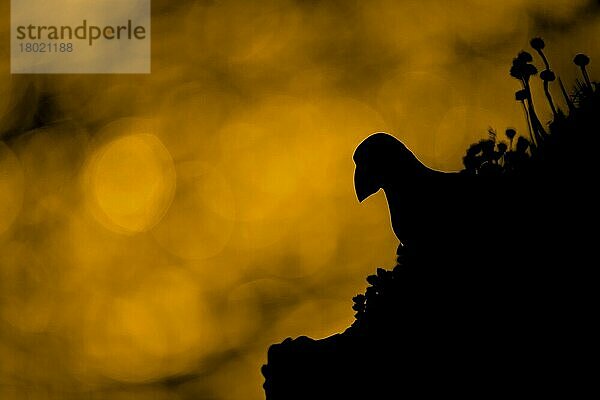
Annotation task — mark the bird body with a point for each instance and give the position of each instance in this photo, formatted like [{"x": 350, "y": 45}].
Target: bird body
[
  {"x": 423, "y": 202},
  {"x": 455, "y": 218}
]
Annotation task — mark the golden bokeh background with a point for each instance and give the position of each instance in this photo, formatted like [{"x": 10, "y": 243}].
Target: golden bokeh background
[{"x": 158, "y": 232}]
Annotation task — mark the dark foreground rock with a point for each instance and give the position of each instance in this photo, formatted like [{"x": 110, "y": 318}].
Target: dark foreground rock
[{"x": 440, "y": 333}]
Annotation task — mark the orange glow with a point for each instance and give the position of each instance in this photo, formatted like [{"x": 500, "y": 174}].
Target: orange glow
[{"x": 176, "y": 224}]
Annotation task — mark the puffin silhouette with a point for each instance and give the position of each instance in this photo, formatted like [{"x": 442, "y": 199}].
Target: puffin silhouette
[{"x": 423, "y": 206}]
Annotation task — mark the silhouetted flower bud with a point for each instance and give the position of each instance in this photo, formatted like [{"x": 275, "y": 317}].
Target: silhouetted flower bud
[
  {"x": 537, "y": 43},
  {"x": 548, "y": 76},
  {"x": 521, "y": 95},
  {"x": 581, "y": 60},
  {"x": 524, "y": 57}
]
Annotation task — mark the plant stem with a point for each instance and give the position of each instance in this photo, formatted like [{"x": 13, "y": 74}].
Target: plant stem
[
  {"x": 538, "y": 129},
  {"x": 586, "y": 77},
  {"x": 528, "y": 124},
  {"x": 550, "y": 101},
  {"x": 567, "y": 97},
  {"x": 546, "y": 63}
]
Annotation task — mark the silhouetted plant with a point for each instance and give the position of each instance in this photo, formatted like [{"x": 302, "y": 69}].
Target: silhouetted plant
[
  {"x": 582, "y": 105},
  {"x": 525, "y": 57},
  {"x": 582, "y": 61},
  {"x": 581, "y": 92},
  {"x": 521, "y": 96},
  {"x": 510, "y": 134},
  {"x": 523, "y": 71},
  {"x": 471, "y": 160},
  {"x": 566, "y": 96},
  {"x": 502, "y": 150},
  {"x": 538, "y": 45},
  {"x": 485, "y": 158},
  {"x": 547, "y": 75}
]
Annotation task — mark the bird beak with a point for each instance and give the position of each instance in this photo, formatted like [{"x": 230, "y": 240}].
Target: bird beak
[{"x": 364, "y": 184}]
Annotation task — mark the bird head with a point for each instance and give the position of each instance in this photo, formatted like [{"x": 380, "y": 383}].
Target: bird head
[{"x": 380, "y": 160}]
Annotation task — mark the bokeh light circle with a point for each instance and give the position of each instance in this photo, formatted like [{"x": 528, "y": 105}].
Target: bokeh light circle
[{"x": 130, "y": 183}]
